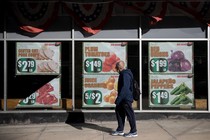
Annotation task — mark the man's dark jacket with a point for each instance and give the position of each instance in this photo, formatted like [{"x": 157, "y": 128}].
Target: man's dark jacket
[{"x": 125, "y": 87}]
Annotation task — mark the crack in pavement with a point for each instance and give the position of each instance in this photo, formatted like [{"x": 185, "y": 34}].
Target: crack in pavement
[
  {"x": 190, "y": 128},
  {"x": 40, "y": 134},
  {"x": 166, "y": 130},
  {"x": 183, "y": 132}
]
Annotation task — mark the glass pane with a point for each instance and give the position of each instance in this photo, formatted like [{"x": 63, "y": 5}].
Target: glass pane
[
  {"x": 1, "y": 75},
  {"x": 2, "y": 20},
  {"x": 40, "y": 91},
  {"x": 55, "y": 25},
  {"x": 116, "y": 27},
  {"x": 198, "y": 91},
  {"x": 132, "y": 61},
  {"x": 173, "y": 27}
]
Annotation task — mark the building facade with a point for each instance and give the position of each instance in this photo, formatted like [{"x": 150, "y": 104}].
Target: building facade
[{"x": 58, "y": 56}]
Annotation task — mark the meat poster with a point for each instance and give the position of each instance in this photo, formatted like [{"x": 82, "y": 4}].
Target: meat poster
[
  {"x": 101, "y": 57},
  {"x": 47, "y": 95},
  {"x": 38, "y": 58},
  {"x": 171, "y": 74},
  {"x": 99, "y": 90}
]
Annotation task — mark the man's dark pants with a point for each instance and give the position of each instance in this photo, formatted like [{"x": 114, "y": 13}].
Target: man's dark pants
[{"x": 122, "y": 110}]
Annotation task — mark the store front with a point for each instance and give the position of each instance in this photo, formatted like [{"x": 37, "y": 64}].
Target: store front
[{"x": 59, "y": 57}]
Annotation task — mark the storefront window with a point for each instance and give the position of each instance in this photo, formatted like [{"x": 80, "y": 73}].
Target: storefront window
[
  {"x": 38, "y": 75},
  {"x": 116, "y": 27},
  {"x": 88, "y": 81},
  {"x": 1, "y": 75},
  {"x": 1, "y": 32},
  {"x": 1, "y": 20},
  {"x": 173, "y": 27},
  {"x": 174, "y": 75},
  {"x": 48, "y": 18}
]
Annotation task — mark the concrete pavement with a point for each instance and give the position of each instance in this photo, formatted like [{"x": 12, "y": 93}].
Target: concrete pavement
[{"x": 171, "y": 129}]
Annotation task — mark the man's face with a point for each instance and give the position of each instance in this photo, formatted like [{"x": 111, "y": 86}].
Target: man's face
[{"x": 117, "y": 67}]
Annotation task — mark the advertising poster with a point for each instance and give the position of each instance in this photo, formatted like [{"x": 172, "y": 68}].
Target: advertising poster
[
  {"x": 34, "y": 58},
  {"x": 170, "y": 57},
  {"x": 101, "y": 57},
  {"x": 46, "y": 96},
  {"x": 171, "y": 90},
  {"x": 99, "y": 73},
  {"x": 99, "y": 90},
  {"x": 171, "y": 74}
]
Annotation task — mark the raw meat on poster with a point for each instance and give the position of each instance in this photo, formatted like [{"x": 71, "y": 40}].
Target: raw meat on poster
[{"x": 44, "y": 96}]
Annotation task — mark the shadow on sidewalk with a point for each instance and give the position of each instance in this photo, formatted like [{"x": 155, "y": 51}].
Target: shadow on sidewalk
[
  {"x": 77, "y": 120},
  {"x": 80, "y": 126}
]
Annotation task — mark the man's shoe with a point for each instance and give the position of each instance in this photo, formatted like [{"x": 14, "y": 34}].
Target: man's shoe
[
  {"x": 129, "y": 135},
  {"x": 117, "y": 133}
]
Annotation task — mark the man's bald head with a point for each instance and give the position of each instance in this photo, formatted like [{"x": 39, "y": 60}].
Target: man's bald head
[{"x": 120, "y": 65}]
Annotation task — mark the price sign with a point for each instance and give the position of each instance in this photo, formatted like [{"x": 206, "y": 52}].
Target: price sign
[
  {"x": 158, "y": 65},
  {"x": 29, "y": 100},
  {"x": 93, "y": 65},
  {"x": 26, "y": 65},
  {"x": 159, "y": 97},
  {"x": 93, "y": 97}
]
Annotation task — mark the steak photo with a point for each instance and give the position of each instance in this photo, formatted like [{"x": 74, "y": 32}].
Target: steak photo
[{"x": 44, "y": 96}]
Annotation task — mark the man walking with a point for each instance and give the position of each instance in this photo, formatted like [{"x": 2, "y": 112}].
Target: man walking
[{"x": 124, "y": 101}]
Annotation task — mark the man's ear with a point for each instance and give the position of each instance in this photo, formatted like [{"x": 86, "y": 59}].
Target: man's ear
[{"x": 120, "y": 67}]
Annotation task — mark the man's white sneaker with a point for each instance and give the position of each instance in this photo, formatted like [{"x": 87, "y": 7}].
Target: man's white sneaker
[
  {"x": 117, "y": 133},
  {"x": 129, "y": 135}
]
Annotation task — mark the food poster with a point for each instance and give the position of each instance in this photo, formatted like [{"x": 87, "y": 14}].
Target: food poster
[
  {"x": 171, "y": 74},
  {"x": 46, "y": 96},
  {"x": 171, "y": 90},
  {"x": 38, "y": 58},
  {"x": 101, "y": 57},
  {"x": 171, "y": 57},
  {"x": 99, "y": 90},
  {"x": 99, "y": 74}
]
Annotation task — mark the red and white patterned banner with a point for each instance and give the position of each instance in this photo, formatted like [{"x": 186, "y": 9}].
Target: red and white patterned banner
[
  {"x": 155, "y": 10},
  {"x": 35, "y": 17},
  {"x": 91, "y": 17},
  {"x": 198, "y": 10}
]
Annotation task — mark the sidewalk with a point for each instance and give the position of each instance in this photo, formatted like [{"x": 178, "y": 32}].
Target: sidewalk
[{"x": 186, "y": 129}]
